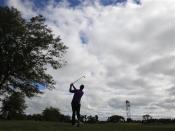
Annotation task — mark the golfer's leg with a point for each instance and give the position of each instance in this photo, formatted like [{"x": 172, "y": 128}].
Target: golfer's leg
[
  {"x": 73, "y": 114},
  {"x": 78, "y": 113}
]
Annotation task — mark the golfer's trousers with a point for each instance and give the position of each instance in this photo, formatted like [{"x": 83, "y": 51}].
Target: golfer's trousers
[{"x": 75, "y": 111}]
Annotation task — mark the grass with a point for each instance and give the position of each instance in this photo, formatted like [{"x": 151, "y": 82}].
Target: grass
[{"x": 54, "y": 126}]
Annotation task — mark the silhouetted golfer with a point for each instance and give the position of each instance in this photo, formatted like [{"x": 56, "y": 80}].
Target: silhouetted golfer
[{"x": 78, "y": 93}]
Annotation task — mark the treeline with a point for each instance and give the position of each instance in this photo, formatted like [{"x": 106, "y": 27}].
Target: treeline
[
  {"x": 161, "y": 120},
  {"x": 13, "y": 107},
  {"x": 149, "y": 119},
  {"x": 48, "y": 114}
]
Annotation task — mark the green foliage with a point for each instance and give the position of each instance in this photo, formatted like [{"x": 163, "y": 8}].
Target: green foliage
[
  {"x": 51, "y": 114},
  {"x": 116, "y": 118},
  {"x": 92, "y": 119},
  {"x": 13, "y": 106},
  {"x": 36, "y": 117},
  {"x": 27, "y": 48},
  {"x": 146, "y": 117}
]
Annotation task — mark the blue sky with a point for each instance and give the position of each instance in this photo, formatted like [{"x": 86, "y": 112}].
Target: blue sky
[
  {"x": 40, "y": 86},
  {"x": 74, "y": 3},
  {"x": 2, "y": 2}
]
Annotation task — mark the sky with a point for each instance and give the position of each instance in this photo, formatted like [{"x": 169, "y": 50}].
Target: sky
[{"x": 125, "y": 48}]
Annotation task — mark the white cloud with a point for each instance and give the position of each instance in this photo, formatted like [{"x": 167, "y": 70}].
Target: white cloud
[
  {"x": 25, "y": 7},
  {"x": 126, "y": 47}
]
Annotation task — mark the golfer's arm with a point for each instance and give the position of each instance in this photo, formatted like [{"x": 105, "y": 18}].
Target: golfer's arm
[
  {"x": 70, "y": 89},
  {"x": 74, "y": 87}
]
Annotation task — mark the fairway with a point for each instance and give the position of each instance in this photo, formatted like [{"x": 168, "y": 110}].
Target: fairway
[{"x": 54, "y": 126}]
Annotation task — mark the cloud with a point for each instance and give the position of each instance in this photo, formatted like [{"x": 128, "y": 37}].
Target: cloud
[
  {"x": 128, "y": 55},
  {"x": 25, "y": 7},
  {"x": 161, "y": 66},
  {"x": 171, "y": 91}
]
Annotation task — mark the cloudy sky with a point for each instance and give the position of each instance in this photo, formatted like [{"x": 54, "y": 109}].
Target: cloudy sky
[{"x": 126, "y": 49}]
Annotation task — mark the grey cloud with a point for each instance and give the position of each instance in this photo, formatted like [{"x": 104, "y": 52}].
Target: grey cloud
[
  {"x": 171, "y": 91},
  {"x": 167, "y": 104},
  {"x": 136, "y": 103},
  {"x": 115, "y": 103},
  {"x": 130, "y": 86},
  {"x": 164, "y": 66}
]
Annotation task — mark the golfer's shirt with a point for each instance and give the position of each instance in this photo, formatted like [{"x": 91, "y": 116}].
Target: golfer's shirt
[{"x": 77, "y": 96}]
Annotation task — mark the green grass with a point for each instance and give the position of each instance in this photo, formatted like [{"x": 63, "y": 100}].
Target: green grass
[{"x": 54, "y": 126}]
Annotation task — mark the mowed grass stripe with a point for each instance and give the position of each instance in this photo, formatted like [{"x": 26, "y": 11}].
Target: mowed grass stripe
[{"x": 56, "y": 126}]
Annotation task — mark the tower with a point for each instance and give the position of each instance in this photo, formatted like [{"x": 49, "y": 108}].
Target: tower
[{"x": 128, "y": 112}]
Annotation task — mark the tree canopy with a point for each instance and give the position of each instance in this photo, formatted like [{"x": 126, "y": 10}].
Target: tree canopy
[
  {"x": 27, "y": 48},
  {"x": 116, "y": 118}
]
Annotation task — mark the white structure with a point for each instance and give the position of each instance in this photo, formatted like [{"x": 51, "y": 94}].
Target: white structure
[{"x": 128, "y": 112}]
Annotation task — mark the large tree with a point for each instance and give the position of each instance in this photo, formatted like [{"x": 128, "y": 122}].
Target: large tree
[{"x": 27, "y": 48}]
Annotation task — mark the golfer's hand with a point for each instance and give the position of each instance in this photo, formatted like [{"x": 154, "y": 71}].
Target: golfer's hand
[{"x": 71, "y": 84}]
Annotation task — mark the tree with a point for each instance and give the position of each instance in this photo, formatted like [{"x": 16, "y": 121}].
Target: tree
[
  {"x": 36, "y": 117},
  {"x": 96, "y": 118},
  {"x": 27, "y": 48},
  {"x": 146, "y": 118},
  {"x": 116, "y": 118},
  {"x": 92, "y": 119},
  {"x": 51, "y": 114},
  {"x": 13, "y": 106}
]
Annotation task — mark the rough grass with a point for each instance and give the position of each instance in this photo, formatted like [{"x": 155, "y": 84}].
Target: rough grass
[{"x": 54, "y": 126}]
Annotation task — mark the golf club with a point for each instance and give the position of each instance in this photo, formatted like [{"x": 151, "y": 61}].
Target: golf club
[{"x": 78, "y": 79}]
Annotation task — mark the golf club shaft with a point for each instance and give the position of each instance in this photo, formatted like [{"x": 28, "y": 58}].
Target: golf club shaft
[{"x": 78, "y": 79}]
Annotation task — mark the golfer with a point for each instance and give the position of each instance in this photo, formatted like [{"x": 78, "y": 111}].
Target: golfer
[{"x": 78, "y": 93}]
